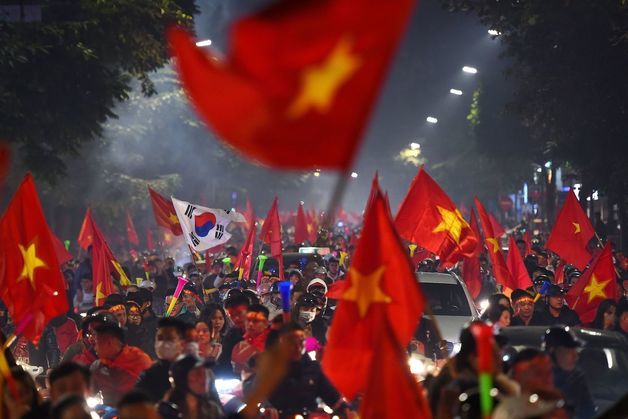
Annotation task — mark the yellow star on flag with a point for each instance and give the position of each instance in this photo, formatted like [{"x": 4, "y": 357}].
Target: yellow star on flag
[
  {"x": 31, "y": 262},
  {"x": 173, "y": 219},
  {"x": 451, "y": 222},
  {"x": 320, "y": 82},
  {"x": 595, "y": 289},
  {"x": 365, "y": 290},
  {"x": 576, "y": 227},
  {"x": 493, "y": 241},
  {"x": 99, "y": 294}
]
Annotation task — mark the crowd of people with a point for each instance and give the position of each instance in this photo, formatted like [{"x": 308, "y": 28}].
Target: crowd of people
[{"x": 130, "y": 358}]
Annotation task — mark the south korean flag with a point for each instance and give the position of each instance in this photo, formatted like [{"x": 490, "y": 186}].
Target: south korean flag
[{"x": 202, "y": 227}]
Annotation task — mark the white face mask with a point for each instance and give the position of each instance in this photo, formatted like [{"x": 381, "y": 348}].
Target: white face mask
[
  {"x": 307, "y": 316},
  {"x": 167, "y": 349}
]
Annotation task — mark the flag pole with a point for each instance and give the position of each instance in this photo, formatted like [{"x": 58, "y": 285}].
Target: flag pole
[{"x": 336, "y": 197}]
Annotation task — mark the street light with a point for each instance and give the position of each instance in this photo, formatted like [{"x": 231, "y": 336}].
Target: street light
[
  {"x": 354, "y": 175},
  {"x": 431, "y": 119},
  {"x": 470, "y": 70},
  {"x": 455, "y": 92},
  {"x": 317, "y": 173},
  {"x": 494, "y": 32},
  {"x": 415, "y": 146},
  {"x": 204, "y": 43}
]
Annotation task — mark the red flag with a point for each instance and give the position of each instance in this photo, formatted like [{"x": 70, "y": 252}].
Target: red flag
[
  {"x": 471, "y": 265},
  {"x": 86, "y": 235},
  {"x": 392, "y": 391},
  {"x": 498, "y": 230},
  {"x": 429, "y": 218},
  {"x": 598, "y": 283},
  {"x": 289, "y": 76},
  {"x": 249, "y": 214},
  {"x": 528, "y": 240},
  {"x": 150, "y": 242},
  {"x": 271, "y": 234},
  {"x": 104, "y": 264},
  {"x": 165, "y": 215},
  {"x": 31, "y": 284},
  {"x": 312, "y": 225},
  {"x": 381, "y": 292},
  {"x": 373, "y": 192},
  {"x": 500, "y": 270},
  {"x": 571, "y": 233},
  {"x": 130, "y": 230},
  {"x": 514, "y": 262},
  {"x": 245, "y": 257},
  {"x": 300, "y": 226},
  {"x": 62, "y": 253},
  {"x": 5, "y": 160}
]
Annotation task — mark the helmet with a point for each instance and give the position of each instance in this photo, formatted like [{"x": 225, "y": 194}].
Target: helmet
[
  {"x": 427, "y": 265},
  {"x": 560, "y": 336},
  {"x": 310, "y": 300},
  {"x": 252, "y": 295}
]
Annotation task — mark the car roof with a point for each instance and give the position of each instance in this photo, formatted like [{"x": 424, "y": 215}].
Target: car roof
[
  {"x": 436, "y": 278},
  {"x": 533, "y": 336}
]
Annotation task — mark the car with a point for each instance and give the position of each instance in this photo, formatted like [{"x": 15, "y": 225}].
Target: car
[
  {"x": 300, "y": 259},
  {"x": 604, "y": 358},
  {"x": 451, "y": 304}
]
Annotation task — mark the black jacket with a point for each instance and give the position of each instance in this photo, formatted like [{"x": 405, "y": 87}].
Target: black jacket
[
  {"x": 567, "y": 317},
  {"x": 302, "y": 385},
  {"x": 47, "y": 353},
  {"x": 155, "y": 381},
  {"x": 223, "y": 363}
]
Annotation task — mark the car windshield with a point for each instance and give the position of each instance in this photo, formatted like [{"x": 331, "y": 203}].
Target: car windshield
[
  {"x": 606, "y": 369},
  {"x": 446, "y": 299}
]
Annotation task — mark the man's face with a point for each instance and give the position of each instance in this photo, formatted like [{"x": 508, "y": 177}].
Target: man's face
[
  {"x": 170, "y": 337},
  {"x": 87, "y": 285},
  {"x": 198, "y": 381},
  {"x": 135, "y": 316},
  {"x": 106, "y": 346},
  {"x": 237, "y": 315},
  {"x": 255, "y": 323},
  {"x": 566, "y": 358},
  {"x": 70, "y": 384},
  {"x": 556, "y": 302},
  {"x": 189, "y": 300},
  {"x": 120, "y": 313},
  {"x": 295, "y": 341},
  {"x": 138, "y": 411},
  {"x": 541, "y": 261},
  {"x": 216, "y": 269},
  {"x": 333, "y": 267},
  {"x": 525, "y": 308}
]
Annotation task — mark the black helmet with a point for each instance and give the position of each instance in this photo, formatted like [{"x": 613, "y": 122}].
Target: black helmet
[
  {"x": 560, "y": 336},
  {"x": 310, "y": 300}
]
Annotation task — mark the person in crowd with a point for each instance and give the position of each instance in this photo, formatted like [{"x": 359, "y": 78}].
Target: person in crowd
[
  {"x": 84, "y": 297},
  {"x": 144, "y": 298},
  {"x": 216, "y": 317},
  {"x": 532, "y": 370},
  {"x": 46, "y": 354},
  {"x": 69, "y": 378},
  {"x": 523, "y": 304},
  {"x": 236, "y": 307},
  {"x": 206, "y": 348},
  {"x": 498, "y": 316},
  {"x": 254, "y": 342},
  {"x": 27, "y": 403},
  {"x": 136, "y": 334},
  {"x": 190, "y": 310},
  {"x": 65, "y": 330},
  {"x": 137, "y": 405},
  {"x": 193, "y": 389},
  {"x": 118, "y": 366},
  {"x": 562, "y": 347},
  {"x": 274, "y": 301},
  {"x": 71, "y": 406},
  {"x": 334, "y": 273},
  {"x": 556, "y": 311},
  {"x": 622, "y": 318},
  {"x": 307, "y": 312},
  {"x": 83, "y": 351},
  {"x": 169, "y": 343},
  {"x": 605, "y": 315},
  {"x": 117, "y": 307},
  {"x": 304, "y": 381}
]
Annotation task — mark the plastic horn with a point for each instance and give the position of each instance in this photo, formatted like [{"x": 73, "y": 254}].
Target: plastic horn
[
  {"x": 177, "y": 293},
  {"x": 284, "y": 290},
  {"x": 260, "y": 268},
  {"x": 343, "y": 256},
  {"x": 412, "y": 248},
  {"x": 138, "y": 281},
  {"x": 66, "y": 243},
  {"x": 483, "y": 335}
]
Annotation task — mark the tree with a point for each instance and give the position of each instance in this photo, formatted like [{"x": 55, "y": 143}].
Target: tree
[{"x": 61, "y": 77}]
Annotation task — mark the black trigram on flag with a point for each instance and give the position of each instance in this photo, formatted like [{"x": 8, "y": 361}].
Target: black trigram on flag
[
  {"x": 194, "y": 239},
  {"x": 220, "y": 231},
  {"x": 189, "y": 210}
]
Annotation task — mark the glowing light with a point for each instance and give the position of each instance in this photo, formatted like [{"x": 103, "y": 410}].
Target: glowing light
[
  {"x": 415, "y": 146},
  {"x": 354, "y": 175},
  {"x": 548, "y": 164},
  {"x": 317, "y": 173},
  {"x": 455, "y": 92},
  {"x": 204, "y": 43},
  {"x": 416, "y": 366},
  {"x": 470, "y": 70},
  {"x": 609, "y": 358},
  {"x": 431, "y": 120},
  {"x": 484, "y": 305},
  {"x": 494, "y": 32},
  {"x": 226, "y": 385}
]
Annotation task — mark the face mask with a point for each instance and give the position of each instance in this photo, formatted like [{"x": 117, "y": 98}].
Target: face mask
[
  {"x": 192, "y": 348},
  {"x": 307, "y": 316},
  {"x": 166, "y": 349}
]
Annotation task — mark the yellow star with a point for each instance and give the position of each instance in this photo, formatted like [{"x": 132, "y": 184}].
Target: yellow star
[
  {"x": 577, "y": 227},
  {"x": 319, "y": 83},
  {"x": 451, "y": 222},
  {"x": 493, "y": 241},
  {"x": 99, "y": 294},
  {"x": 365, "y": 290},
  {"x": 173, "y": 219},
  {"x": 596, "y": 289},
  {"x": 31, "y": 262}
]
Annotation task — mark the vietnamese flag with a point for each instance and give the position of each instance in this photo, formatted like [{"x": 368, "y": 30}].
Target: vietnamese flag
[
  {"x": 497, "y": 228},
  {"x": 307, "y": 70},
  {"x": 164, "y": 212},
  {"x": 471, "y": 265},
  {"x": 130, "y": 230},
  {"x": 150, "y": 242},
  {"x": 271, "y": 234},
  {"x": 312, "y": 225},
  {"x": 514, "y": 262},
  {"x": 249, "y": 214},
  {"x": 31, "y": 284},
  {"x": 429, "y": 218},
  {"x": 375, "y": 189},
  {"x": 571, "y": 233},
  {"x": 381, "y": 295},
  {"x": 300, "y": 226},
  {"x": 246, "y": 255},
  {"x": 598, "y": 283},
  {"x": 86, "y": 235},
  {"x": 528, "y": 240},
  {"x": 500, "y": 270}
]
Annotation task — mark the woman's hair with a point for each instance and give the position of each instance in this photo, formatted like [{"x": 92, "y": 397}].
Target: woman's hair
[
  {"x": 66, "y": 402},
  {"x": 598, "y": 321},
  {"x": 209, "y": 311},
  {"x": 27, "y": 380},
  {"x": 494, "y": 312}
]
